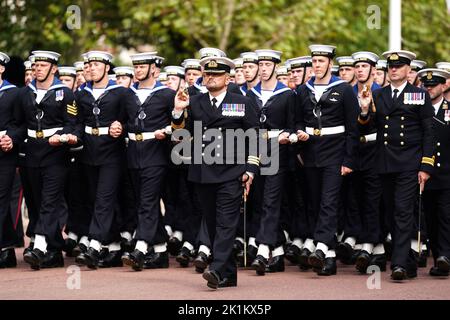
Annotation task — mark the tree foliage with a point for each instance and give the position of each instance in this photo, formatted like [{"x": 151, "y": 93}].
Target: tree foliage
[{"x": 178, "y": 28}]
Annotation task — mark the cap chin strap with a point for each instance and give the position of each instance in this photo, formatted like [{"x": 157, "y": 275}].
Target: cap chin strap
[
  {"x": 384, "y": 78},
  {"x": 368, "y": 76},
  {"x": 48, "y": 74},
  {"x": 103, "y": 76},
  {"x": 328, "y": 67},
  {"x": 304, "y": 75},
  {"x": 254, "y": 78}
]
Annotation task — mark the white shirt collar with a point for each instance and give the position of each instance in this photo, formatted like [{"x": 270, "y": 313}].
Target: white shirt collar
[
  {"x": 219, "y": 98},
  {"x": 400, "y": 89},
  {"x": 437, "y": 106}
]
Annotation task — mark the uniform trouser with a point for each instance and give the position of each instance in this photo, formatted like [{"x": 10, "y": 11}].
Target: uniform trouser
[
  {"x": 404, "y": 192},
  {"x": 48, "y": 193},
  {"x": 33, "y": 212},
  {"x": 219, "y": 206},
  {"x": 324, "y": 186},
  {"x": 126, "y": 217},
  {"x": 169, "y": 196},
  {"x": 248, "y": 216},
  {"x": 363, "y": 222},
  {"x": 79, "y": 215},
  {"x": 16, "y": 207},
  {"x": 187, "y": 208},
  {"x": 270, "y": 190},
  {"x": 102, "y": 185},
  {"x": 436, "y": 204},
  {"x": 147, "y": 184},
  {"x": 350, "y": 206},
  {"x": 294, "y": 192},
  {"x": 8, "y": 236}
]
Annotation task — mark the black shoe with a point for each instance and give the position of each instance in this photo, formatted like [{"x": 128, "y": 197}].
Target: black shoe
[
  {"x": 354, "y": 256},
  {"x": 213, "y": 279},
  {"x": 378, "y": 260},
  {"x": 69, "y": 245},
  {"x": 174, "y": 246},
  {"x": 252, "y": 251},
  {"x": 28, "y": 249},
  {"x": 329, "y": 267},
  {"x": 363, "y": 261},
  {"x": 53, "y": 259},
  {"x": 436, "y": 272},
  {"x": 443, "y": 264},
  {"x": 201, "y": 262},
  {"x": 303, "y": 259},
  {"x": 90, "y": 258},
  {"x": 238, "y": 253},
  {"x": 157, "y": 260},
  {"x": 228, "y": 282},
  {"x": 134, "y": 259},
  {"x": 276, "y": 264},
  {"x": 317, "y": 259},
  {"x": 111, "y": 260},
  {"x": 260, "y": 264},
  {"x": 344, "y": 252},
  {"x": 293, "y": 254},
  {"x": 34, "y": 258},
  {"x": 398, "y": 274},
  {"x": 79, "y": 249},
  {"x": 184, "y": 257},
  {"x": 127, "y": 245},
  {"x": 8, "y": 259}
]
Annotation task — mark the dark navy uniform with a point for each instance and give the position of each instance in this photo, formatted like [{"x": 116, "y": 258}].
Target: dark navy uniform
[
  {"x": 331, "y": 124},
  {"x": 102, "y": 155},
  {"x": 8, "y": 162},
  {"x": 46, "y": 165},
  {"x": 405, "y": 146},
  {"x": 218, "y": 186},
  {"x": 148, "y": 158}
]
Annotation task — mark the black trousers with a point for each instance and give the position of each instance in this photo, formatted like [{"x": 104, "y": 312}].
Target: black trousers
[
  {"x": 220, "y": 209},
  {"x": 147, "y": 184},
  {"x": 102, "y": 186},
  {"x": 33, "y": 212},
  {"x": 47, "y": 185},
  {"x": 403, "y": 187},
  {"x": 169, "y": 196},
  {"x": 324, "y": 186},
  {"x": 79, "y": 215},
  {"x": 350, "y": 207},
  {"x": 270, "y": 190},
  {"x": 16, "y": 208},
  {"x": 8, "y": 236},
  {"x": 363, "y": 216},
  {"x": 436, "y": 205},
  {"x": 126, "y": 217}
]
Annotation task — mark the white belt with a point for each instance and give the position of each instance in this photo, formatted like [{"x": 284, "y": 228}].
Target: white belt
[
  {"x": 2, "y": 133},
  {"x": 141, "y": 136},
  {"x": 325, "y": 131},
  {"x": 43, "y": 133},
  {"x": 272, "y": 134},
  {"x": 369, "y": 137},
  {"x": 97, "y": 131}
]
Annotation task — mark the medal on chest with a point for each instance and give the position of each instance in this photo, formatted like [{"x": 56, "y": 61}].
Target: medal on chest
[{"x": 415, "y": 98}]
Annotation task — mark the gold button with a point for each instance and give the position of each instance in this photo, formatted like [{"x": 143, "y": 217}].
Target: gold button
[
  {"x": 401, "y": 134},
  {"x": 438, "y": 144},
  {"x": 438, "y": 164},
  {"x": 387, "y": 117},
  {"x": 402, "y": 126},
  {"x": 385, "y": 135},
  {"x": 438, "y": 154},
  {"x": 402, "y": 143},
  {"x": 385, "y": 143},
  {"x": 386, "y": 126},
  {"x": 402, "y": 118}
]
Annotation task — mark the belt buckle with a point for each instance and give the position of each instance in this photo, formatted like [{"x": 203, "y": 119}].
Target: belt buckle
[
  {"x": 362, "y": 139},
  {"x": 39, "y": 134},
  {"x": 317, "y": 132},
  {"x": 95, "y": 132},
  {"x": 139, "y": 137}
]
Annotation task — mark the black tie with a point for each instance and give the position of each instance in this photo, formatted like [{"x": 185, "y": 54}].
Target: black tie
[
  {"x": 394, "y": 98},
  {"x": 214, "y": 100}
]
